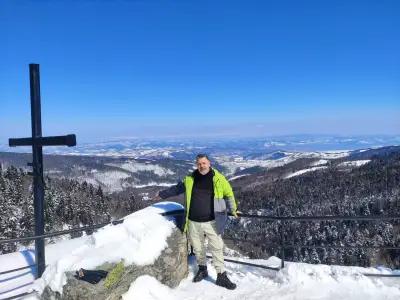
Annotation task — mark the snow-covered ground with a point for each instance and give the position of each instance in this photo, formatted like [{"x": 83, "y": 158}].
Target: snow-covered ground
[
  {"x": 234, "y": 164},
  {"x": 93, "y": 150},
  {"x": 354, "y": 163},
  {"x": 317, "y": 166},
  {"x": 112, "y": 180},
  {"x": 116, "y": 180},
  {"x": 238, "y": 176},
  {"x": 152, "y": 183},
  {"x": 142, "y": 237},
  {"x": 319, "y": 162},
  {"x": 300, "y": 172},
  {"x": 136, "y": 167},
  {"x": 295, "y": 282}
]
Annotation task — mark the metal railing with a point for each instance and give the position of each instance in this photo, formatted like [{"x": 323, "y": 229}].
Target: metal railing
[{"x": 282, "y": 245}]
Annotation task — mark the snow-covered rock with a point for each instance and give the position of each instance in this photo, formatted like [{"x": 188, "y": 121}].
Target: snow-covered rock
[
  {"x": 146, "y": 243},
  {"x": 169, "y": 269}
]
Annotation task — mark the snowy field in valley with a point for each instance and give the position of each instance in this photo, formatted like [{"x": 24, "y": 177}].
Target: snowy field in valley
[
  {"x": 141, "y": 238},
  {"x": 237, "y": 163},
  {"x": 136, "y": 167},
  {"x": 354, "y": 163},
  {"x": 346, "y": 164}
]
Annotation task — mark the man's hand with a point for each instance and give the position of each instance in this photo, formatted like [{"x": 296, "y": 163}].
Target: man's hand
[
  {"x": 235, "y": 214},
  {"x": 156, "y": 197}
]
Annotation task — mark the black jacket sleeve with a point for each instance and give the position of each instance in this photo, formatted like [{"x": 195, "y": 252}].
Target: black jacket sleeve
[{"x": 174, "y": 190}]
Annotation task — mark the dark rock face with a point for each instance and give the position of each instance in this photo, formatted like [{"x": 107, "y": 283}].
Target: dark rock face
[{"x": 169, "y": 268}]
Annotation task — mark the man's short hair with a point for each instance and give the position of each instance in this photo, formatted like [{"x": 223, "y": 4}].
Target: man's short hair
[{"x": 202, "y": 155}]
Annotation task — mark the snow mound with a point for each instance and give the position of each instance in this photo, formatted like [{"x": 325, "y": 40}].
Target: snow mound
[
  {"x": 139, "y": 240},
  {"x": 153, "y": 289}
]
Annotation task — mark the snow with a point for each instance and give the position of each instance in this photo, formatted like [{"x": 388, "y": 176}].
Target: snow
[
  {"x": 273, "y": 143},
  {"x": 21, "y": 281},
  {"x": 53, "y": 172},
  {"x": 153, "y": 289},
  {"x": 319, "y": 162},
  {"x": 295, "y": 282},
  {"x": 136, "y": 167},
  {"x": 116, "y": 180},
  {"x": 88, "y": 180},
  {"x": 334, "y": 154},
  {"x": 140, "y": 239},
  {"x": 152, "y": 183},
  {"x": 238, "y": 176},
  {"x": 112, "y": 180},
  {"x": 112, "y": 150},
  {"x": 300, "y": 172},
  {"x": 354, "y": 163},
  {"x": 166, "y": 206},
  {"x": 144, "y": 234},
  {"x": 234, "y": 163},
  {"x": 16, "y": 282}
]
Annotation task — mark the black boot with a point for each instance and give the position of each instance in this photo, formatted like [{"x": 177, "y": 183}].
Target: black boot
[
  {"x": 223, "y": 280},
  {"x": 201, "y": 274}
]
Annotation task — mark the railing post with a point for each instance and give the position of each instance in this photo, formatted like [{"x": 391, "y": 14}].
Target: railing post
[
  {"x": 282, "y": 245},
  {"x": 281, "y": 237}
]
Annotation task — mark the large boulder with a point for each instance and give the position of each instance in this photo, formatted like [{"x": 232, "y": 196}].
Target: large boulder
[{"x": 169, "y": 268}]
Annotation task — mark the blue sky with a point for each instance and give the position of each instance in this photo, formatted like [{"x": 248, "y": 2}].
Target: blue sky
[{"x": 158, "y": 68}]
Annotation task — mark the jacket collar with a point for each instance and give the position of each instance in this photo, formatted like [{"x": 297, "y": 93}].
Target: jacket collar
[{"x": 211, "y": 169}]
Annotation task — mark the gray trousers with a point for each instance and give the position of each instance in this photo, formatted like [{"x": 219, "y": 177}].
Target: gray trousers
[{"x": 196, "y": 232}]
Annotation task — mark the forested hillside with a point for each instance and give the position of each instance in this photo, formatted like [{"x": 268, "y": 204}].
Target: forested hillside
[
  {"x": 344, "y": 186},
  {"x": 68, "y": 204},
  {"x": 371, "y": 189}
]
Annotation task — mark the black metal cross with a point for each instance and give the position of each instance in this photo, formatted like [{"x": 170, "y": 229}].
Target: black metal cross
[{"x": 37, "y": 142}]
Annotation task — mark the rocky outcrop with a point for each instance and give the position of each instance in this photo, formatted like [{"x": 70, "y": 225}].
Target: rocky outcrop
[{"x": 169, "y": 268}]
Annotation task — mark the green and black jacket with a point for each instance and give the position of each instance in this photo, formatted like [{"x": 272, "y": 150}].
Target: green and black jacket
[{"x": 224, "y": 200}]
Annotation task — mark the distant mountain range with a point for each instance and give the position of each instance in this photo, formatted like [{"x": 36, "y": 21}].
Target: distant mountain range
[
  {"x": 165, "y": 165},
  {"x": 185, "y": 149}
]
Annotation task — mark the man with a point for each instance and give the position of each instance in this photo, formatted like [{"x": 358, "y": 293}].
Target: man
[{"x": 208, "y": 198}]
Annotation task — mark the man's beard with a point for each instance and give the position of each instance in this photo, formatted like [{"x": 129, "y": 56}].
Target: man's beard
[{"x": 204, "y": 171}]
